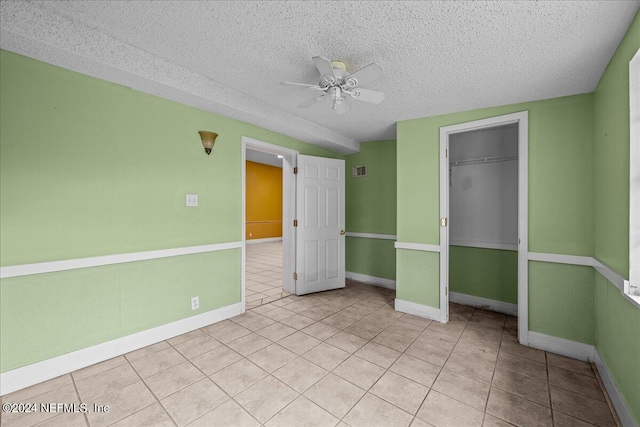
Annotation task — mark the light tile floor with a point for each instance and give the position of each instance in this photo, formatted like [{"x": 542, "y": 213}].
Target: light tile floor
[
  {"x": 342, "y": 357},
  {"x": 263, "y": 273}
]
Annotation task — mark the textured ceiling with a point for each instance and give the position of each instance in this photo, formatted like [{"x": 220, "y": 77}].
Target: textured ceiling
[{"x": 228, "y": 57}]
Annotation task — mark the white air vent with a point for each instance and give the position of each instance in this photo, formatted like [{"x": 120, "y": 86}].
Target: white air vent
[{"x": 357, "y": 171}]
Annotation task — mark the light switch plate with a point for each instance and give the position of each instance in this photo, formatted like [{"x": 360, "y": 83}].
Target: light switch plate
[{"x": 192, "y": 200}]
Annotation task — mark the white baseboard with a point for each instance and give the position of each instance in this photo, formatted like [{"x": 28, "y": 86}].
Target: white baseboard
[
  {"x": 617, "y": 399},
  {"x": 588, "y": 353},
  {"x": 573, "y": 349},
  {"x": 265, "y": 240},
  {"x": 418, "y": 309},
  {"x": 486, "y": 303},
  {"x": 38, "y": 372},
  {"x": 371, "y": 280}
]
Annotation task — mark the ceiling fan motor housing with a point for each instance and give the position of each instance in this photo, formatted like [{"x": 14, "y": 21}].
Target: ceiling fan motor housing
[{"x": 342, "y": 78}]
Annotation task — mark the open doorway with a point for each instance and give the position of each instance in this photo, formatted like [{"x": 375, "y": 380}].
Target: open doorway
[
  {"x": 263, "y": 228},
  {"x": 313, "y": 229},
  {"x": 483, "y": 206},
  {"x": 268, "y": 206}
]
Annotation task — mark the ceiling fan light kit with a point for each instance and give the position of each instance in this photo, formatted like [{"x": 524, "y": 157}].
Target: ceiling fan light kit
[{"x": 339, "y": 85}]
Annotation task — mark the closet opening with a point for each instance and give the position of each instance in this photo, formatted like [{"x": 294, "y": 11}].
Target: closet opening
[
  {"x": 483, "y": 219},
  {"x": 483, "y": 207}
]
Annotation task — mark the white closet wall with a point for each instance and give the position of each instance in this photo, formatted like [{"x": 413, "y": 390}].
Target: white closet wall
[{"x": 484, "y": 188}]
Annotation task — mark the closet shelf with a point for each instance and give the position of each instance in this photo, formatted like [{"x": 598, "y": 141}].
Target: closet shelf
[{"x": 482, "y": 160}]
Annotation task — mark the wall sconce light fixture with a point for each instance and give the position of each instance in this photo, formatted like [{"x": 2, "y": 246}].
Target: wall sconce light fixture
[{"x": 208, "y": 139}]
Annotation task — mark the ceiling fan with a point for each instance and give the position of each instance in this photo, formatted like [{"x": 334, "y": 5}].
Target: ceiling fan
[{"x": 337, "y": 84}]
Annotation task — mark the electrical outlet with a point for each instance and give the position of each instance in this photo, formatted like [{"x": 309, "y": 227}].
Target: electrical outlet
[
  {"x": 250, "y": 234},
  {"x": 195, "y": 303}
]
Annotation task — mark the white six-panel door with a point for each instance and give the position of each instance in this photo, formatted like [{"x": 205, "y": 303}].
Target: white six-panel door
[{"x": 320, "y": 240}]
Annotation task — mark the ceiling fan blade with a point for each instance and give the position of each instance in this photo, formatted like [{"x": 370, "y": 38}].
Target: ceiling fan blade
[
  {"x": 367, "y": 74},
  {"x": 342, "y": 107},
  {"x": 324, "y": 67},
  {"x": 311, "y": 101},
  {"x": 298, "y": 84},
  {"x": 367, "y": 95}
]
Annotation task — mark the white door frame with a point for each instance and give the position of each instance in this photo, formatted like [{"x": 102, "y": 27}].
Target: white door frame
[
  {"x": 289, "y": 161},
  {"x": 522, "y": 119},
  {"x": 633, "y": 284}
]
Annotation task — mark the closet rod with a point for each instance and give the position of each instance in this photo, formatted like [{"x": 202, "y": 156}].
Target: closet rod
[{"x": 483, "y": 160}]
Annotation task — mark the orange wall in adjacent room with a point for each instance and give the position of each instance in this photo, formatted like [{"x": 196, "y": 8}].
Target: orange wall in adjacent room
[{"x": 264, "y": 201}]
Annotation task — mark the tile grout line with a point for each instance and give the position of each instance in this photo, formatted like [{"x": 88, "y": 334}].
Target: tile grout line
[
  {"x": 443, "y": 365},
  {"x": 546, "y": 368},
  {"x": 150, "y": 391},
  {"x": 232, "y": 398},
  {"x": 73, "y": 381},
  {"x": 495, "y": 367},
  {"x": 351, "y": 354},
  {"x": 604, "y": 391},
  {"x": 289, "y": 403},
  {"x": 389, "y": 370},
  {"x": 386, "y": 369},
  {"x": 375, "y": 382},
  {"x": 404, "y": 352},
  {"x": 216, "y": 384},
  {"x": 250, "y": 361}
]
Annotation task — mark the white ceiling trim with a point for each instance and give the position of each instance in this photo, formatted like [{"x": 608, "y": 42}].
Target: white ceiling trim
[{"x": 44, "y": 35}]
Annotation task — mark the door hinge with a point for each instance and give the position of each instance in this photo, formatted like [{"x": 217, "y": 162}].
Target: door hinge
[
  {"x": 446, "y": 291},
  {"x": 295, "y": 222},
  {"x": 295, "y": 170},
  {"x": 443, "y": 222},
  {"x": 295, "y": 276},
  {"x": 446, "y": 152}
]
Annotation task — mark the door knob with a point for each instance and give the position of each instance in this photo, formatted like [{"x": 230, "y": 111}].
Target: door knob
[{"x": 342, "y": 232}]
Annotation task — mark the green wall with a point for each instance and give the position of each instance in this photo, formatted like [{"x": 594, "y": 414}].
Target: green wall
[
  {"x": 418, "y": 277},
  {"x": 561, "y": 301},
  {"x": 611, "y": 123},
  {"x": 560, "y": 191},
  {"x": 486, "y": 273},
  {"x": 373, "y": 257},
  {"x": 371, "y": 208},
  {"x": 90, "y": 168},
  {"x": 46, "y": 315},
  {"x": 371, "y": 200},
  {"x": 618, "y": 322},
  {"x": 617, "y": 338},
  {"x": 559, "y": 129}
]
